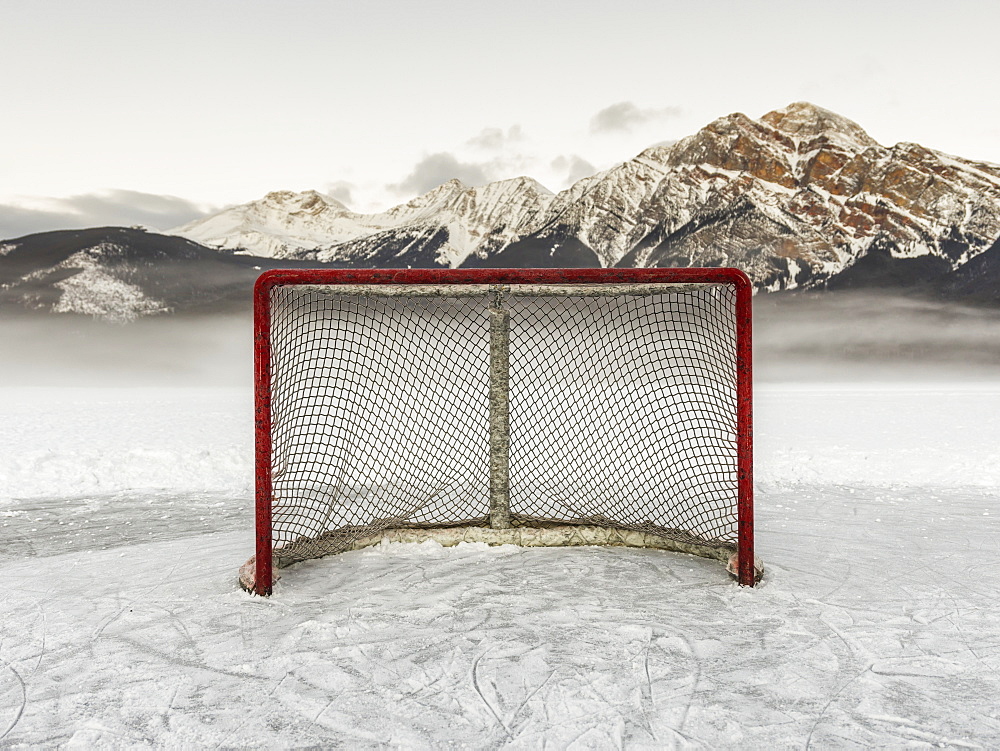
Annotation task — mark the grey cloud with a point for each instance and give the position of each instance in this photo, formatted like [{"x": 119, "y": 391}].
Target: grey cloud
[
  {"x": 575, "y": 167},
  {"x": 108, "y": 208},
  {"x": 494, "y": 139},
  {"x": 440, "y": 168},
  {"x": 627, "y": 115},
  {"x": 341, "y": 190}
]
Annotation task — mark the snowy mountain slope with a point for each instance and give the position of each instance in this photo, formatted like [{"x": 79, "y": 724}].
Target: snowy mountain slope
[
  {"x": 120, "y": 274},
  {"x": 289, "y": 225},
  {"x": 795, "y": 198},
  {"x": 802, "y": 198}
]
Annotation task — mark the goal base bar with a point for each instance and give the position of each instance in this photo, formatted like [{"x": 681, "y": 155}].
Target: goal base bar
[{"x": 552, "y": 535}]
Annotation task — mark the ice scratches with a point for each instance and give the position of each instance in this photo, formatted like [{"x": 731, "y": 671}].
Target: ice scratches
[
  {"x": 478, "y": 667},
  {"x": 646, "y": 691},
  {"x": 517, "y": 684},
  {"x": 22, "y": 640},
  {"x": 863, "y": 634},
  {"x": 479, "y": 691},
  {"x": 907, "y": 629},
  {"x": 905, "y": 727},
  {"x": 53, "y": 526},
  {"x": 508, "y": 662},
  {"x": 8, "y": 690},
  {"x": 820, "y": 717}
]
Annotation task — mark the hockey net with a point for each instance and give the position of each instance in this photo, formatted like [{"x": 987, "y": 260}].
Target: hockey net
[{"x": 510, "y": 410}]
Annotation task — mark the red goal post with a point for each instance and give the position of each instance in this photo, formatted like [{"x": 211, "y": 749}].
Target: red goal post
[{"x": 361, "y": 375}]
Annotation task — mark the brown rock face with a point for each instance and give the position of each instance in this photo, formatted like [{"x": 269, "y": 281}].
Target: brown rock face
[{"x": 801, "y": 194}]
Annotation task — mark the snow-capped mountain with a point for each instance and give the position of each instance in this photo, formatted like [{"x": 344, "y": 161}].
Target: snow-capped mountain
[
  {"x": 797, "y": 199},
  {"x": 120, "y": 274},
  {"x": 441, "y": 227},
  {"x": 800, "y": 198}
]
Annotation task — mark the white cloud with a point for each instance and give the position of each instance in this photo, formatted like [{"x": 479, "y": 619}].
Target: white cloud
[
  {"x": 107, "y": 208},
  {"x": 495, "y": 139},
  {"x": 342, "y": 191},
  {"x": 625, "y": 116},
  {"x": 439, "y": 168},
  {"x": 574, "y": 167}
]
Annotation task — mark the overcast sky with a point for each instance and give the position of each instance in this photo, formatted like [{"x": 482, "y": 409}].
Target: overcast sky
[{"x": 117, "y": 111}]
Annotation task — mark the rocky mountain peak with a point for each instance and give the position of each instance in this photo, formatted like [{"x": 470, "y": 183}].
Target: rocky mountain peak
[
  {"x": 308, "y": 201},
  {"x": 522, "y": 182},
  {"x": 735, "y": 143},
  {"x": 435, "y": 197},
  {"x": 806, "y": 121},
  {"x": 280, "y": 197},
  {"x": 790, "y": 147},
  {"x": 446, "y": 190}
]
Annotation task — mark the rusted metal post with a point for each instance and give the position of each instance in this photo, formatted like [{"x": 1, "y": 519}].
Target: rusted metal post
[
  {"x": 499, "y": 412},
  {"x": 262, "y": 428},
  {"x": 747, "y": 574}
]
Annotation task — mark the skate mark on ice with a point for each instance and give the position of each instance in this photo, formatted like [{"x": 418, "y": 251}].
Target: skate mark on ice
[
  {"x": 475, "y": 685},
  {"x": 686, "y": 641},
  {"x": 20, "y": 680},
  {"x": 829, "y": 703},
  {"x": 534, "y": 691},
  {"x": 646, "y": 691},
  {"x": 24, "y": 698},
  {"x": 179, "y": 661},
  {"x": 903, "y": 726},
  {"x": 130, "y": 605},
  {"x": 247, "y": 717}
]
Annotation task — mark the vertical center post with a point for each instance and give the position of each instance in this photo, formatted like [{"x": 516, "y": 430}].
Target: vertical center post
[{"x": 499, "y": 412}]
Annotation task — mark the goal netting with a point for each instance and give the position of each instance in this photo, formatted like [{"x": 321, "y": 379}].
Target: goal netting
[{"x": 505, "y": 409}]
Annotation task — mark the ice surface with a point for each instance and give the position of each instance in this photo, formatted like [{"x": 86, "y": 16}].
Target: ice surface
[
  {"x": 877, "y": 623},
  {"x": 77, "y": 442}
]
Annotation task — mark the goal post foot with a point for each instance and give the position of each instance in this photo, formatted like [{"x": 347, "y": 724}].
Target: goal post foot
[
  {"x": 733, "y": 567},
  {"x": 248, "y": 577}
]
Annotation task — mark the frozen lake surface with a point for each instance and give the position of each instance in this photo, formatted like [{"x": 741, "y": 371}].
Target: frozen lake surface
[{"x": 126, "y": 512}]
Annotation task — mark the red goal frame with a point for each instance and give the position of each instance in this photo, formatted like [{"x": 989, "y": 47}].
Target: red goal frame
[{"x": 262, "y": 563}]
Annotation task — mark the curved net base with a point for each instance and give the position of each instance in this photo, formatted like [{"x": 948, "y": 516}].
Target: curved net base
[{"x": 527, "y": 533}]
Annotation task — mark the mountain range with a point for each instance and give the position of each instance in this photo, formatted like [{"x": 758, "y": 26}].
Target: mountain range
[{"x": 800, "y": 199}]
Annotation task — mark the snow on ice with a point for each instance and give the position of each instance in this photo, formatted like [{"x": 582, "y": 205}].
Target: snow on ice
[{"x": 125, "y": 514}]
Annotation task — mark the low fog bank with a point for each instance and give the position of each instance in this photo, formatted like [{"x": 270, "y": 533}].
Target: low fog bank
[
  {"x": 873, "y": 336},
  {"x": 818, "y": 337},
  {"x": 65, "y": 350}
]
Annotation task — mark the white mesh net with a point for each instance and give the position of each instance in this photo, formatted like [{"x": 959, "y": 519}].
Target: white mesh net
[{"x": 622, "y": 413}]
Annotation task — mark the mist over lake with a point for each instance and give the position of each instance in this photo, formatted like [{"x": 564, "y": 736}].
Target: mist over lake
[{"x": 817, "y": 336}]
